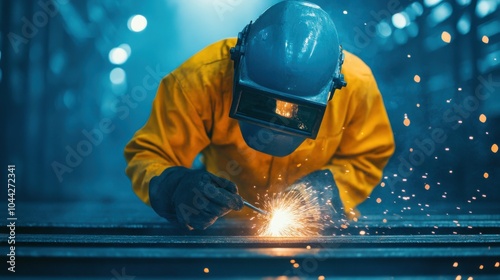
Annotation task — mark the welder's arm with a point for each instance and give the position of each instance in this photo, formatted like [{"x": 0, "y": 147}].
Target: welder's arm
[
  {"x": 366, "y": 146},
  {"x": 173, "y": 135},
  {"x": 158, "y": 156}
]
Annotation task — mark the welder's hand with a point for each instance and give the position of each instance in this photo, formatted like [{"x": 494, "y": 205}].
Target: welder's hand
[
  {"x": 320, "y": 189},
  {"x": 192, "y": 198}
]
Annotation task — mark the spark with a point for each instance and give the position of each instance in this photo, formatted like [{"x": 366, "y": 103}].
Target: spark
[
  {"x": 406, "y": 121},
  {"x": 485, "y": 39},
  {"x": 291, "y": 214},
  {"x": 494, "y": 148},
  {"x": 446, "y": 37},
  {"x": 416, "y": 78}
]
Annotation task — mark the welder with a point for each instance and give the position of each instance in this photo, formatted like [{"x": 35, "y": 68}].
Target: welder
[{"x": 282, "y": 105}]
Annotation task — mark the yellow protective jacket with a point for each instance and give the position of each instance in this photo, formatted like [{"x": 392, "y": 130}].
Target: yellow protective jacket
[{"x": 190, "y": 115}]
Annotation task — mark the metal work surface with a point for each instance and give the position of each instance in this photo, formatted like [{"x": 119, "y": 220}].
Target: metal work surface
[{"x": 133, "y": 247}]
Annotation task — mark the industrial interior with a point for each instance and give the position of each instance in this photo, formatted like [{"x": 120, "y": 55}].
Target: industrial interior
[{"x": 69, "y": 68}]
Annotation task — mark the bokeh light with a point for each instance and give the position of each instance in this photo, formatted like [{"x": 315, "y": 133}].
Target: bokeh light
[
  {"x": 117, "y": 76},
  {"x": 137, "y": 23},
  {"x": 118, "y": 55},
  {"x": 400, "y": 20}
]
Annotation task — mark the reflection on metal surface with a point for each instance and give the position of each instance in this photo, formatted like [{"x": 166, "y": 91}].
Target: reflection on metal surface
[{"x": 150, "y": 248}]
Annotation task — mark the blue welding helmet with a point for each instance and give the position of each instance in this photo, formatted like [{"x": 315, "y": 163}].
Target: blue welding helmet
[{"x": 286, "y": 68}]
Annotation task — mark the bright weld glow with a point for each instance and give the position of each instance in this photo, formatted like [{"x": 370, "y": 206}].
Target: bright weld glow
[
  {"x": 290, "y": 215},
  {"x": 286, "y": 109}
]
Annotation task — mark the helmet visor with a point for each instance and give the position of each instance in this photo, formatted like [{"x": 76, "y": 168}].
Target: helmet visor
[{"x": 271, "y": 110}]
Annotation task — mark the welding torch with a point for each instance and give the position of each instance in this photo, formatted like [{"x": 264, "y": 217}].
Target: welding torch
[{"x": 255, "y": 208}]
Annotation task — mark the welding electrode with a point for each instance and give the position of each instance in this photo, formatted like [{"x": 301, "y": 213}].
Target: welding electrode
[{"x": 246, "y": 203}]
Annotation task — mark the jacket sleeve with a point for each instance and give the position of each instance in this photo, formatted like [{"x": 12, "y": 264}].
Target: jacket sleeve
[
  {"x": 173, "y": 135},
  {"x": 366, "y": 145}
]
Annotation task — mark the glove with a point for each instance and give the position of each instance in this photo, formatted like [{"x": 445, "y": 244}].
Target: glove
[
  {"x": 320, "y": 189},
  {"x": 192, "y": 198}
]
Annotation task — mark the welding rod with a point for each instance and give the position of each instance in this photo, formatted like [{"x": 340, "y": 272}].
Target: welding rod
[{"x": 246, "y": 203}]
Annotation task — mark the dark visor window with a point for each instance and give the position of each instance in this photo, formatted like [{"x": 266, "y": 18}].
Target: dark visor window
[{"x": 277, "y": 112}]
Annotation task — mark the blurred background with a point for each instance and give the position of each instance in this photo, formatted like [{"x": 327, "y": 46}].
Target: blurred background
[{"x": 77, "y": 79}]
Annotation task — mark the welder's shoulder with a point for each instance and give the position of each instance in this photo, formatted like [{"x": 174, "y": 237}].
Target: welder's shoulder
[
  {"x": 356, "y": 71},
  {"x": 212, "y": 59}
]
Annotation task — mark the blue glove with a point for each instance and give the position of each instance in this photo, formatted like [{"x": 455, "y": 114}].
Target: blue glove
[
  {"x": 319, "y": 187},
  {"x": 192, "y": 198}
]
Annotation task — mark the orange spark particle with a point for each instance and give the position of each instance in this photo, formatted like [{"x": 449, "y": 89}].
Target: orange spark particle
[
  {"x": 446, "y": 37},
  {"x": 455, "y": 264},
  {"x": 494, "y": 148},
  {"x": 295, "y": 265},
  {"x": 292, "y": 261},
  {"x": 308, "y": 247},
  {"x": 486, "y": 175},
  {"x": 497, "y": 264},
  {"x": 416, "y": 78},
  {"x": 206, "y": 270},
  {"x": 379, "y": 200},
  {"x": 406, "y": 121},
  {"x": 482, "y": 118},
  {"x": 481, "y": 266},
  {"x": 427, "y": 186},
  {"x": 485, "y": 39},
  {"x": 321, "y": 277}
]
